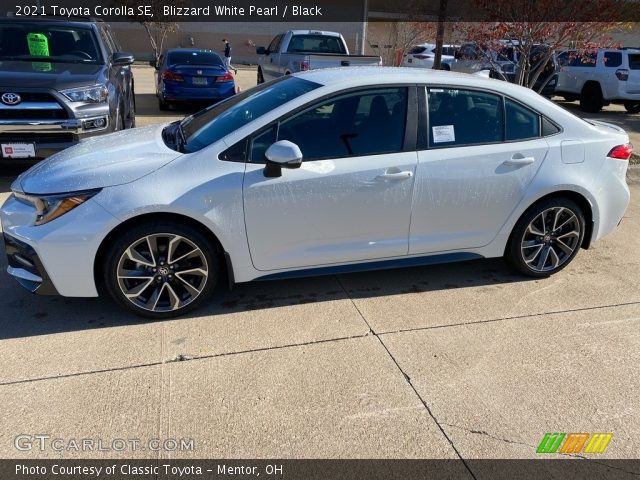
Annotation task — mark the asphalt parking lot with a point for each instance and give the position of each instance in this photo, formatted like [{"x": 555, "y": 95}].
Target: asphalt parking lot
[{"x": 455, "y": 361}]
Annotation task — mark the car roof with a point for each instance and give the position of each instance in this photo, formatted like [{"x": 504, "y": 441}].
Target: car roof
[
  {"x": 382, "y": 75},
  {"x": 317, "y": 32}
]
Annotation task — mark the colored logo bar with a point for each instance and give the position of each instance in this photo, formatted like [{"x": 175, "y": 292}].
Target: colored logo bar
[{"x": 574, "y": 442}]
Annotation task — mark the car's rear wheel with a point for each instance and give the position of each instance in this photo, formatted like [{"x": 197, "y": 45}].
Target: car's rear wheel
[
  {"x": 632, "y": 107},
  {"x": 161, "y": 269},
  {"x": 591, "y": 98},
  {"x": 162, "y": 105},
  {"x": 546, "y": 238},
  {"x": 260, "y": 77}
]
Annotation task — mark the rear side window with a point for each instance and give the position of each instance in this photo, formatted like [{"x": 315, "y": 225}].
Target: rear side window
[
  {"x": 417, "y": 50},
  {"x": 463, "y": 117},
  {"x": 634, "y": 62},
  {"x": 521, "y": 122},
  {"x": 194, "y": 58},
  {"x": 586, "y": 60},
  {"x": 612, "y": 59},
  {"x": 316, "y": 44}
]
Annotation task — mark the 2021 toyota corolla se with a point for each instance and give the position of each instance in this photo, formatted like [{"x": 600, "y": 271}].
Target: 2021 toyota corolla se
[{"x": 324, "y": 171}]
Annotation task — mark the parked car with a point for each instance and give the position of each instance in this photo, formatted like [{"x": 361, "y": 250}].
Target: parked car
[
  {"x": 60, "y": 81},
  {"x": 191, "y": 75},
  {"x": 301, "y": 50},
  {"x": 424, "y": 54},
  {"x": 502, "y": 63},
  {"x": 601, "y": 77},
  {"x": 325, "y": 171}
]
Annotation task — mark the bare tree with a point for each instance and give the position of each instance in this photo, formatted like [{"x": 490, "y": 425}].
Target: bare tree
[{"x": 538, "y": 31}]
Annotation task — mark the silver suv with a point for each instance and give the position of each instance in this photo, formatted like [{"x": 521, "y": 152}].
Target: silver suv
[{"x": 60, "y": 81}]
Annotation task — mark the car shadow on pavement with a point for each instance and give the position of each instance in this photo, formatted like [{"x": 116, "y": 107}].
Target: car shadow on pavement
[
  {"x": 147, "y": 105},
  {"x": 24, "y": 314}
]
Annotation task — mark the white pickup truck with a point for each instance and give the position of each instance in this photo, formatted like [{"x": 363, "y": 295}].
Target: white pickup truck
[{"x": 300, "y": 50}]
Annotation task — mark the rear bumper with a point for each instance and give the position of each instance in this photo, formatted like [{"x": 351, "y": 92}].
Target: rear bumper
[
  {"x": 174, "y": 93},
  {"x": 25, "y": 266}
]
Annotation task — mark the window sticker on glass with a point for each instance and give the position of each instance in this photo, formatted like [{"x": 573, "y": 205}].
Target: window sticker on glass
[
  {"x": 38, "y": 45},
  {"x": 443, "y": 133}
]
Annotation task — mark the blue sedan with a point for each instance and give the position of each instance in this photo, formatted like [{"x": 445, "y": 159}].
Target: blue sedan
[{"x": 191, "y": 75}]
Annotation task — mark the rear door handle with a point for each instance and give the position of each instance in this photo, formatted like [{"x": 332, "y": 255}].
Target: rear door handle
[
  {"x": 396, "y": 175},
  {"x": 519, "y": 160}
]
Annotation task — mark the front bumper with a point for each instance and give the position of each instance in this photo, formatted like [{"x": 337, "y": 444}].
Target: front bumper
[
  {"x": 25, "y": 266},
  {"x": 48, "y": 136},
  {"x": 62, "y": 252}
]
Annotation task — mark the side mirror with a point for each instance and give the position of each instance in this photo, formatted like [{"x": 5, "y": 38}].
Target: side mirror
[
  {"x": 282, "y": 154},
  {"x": 122, "y": 58},
  {"x": 261, "y": 51},
  {"x": 457, "y": 55}
]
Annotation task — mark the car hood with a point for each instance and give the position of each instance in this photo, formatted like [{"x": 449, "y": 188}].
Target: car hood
[
  {"x": 105, "y": 161},
  {"x": 55, "y": 75}
]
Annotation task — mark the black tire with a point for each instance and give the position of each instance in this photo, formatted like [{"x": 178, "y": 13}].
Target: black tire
[
  {"x": 445, "y": 66},
  {"x": 132, "y": 112},
  {"x": 632, "y": 107},
  {"x": 173, "y": 296},
  {"x": 162, "y": 105},
  {"x": 260, "y": 76},
  {"x": 522, "y": 247},
  {"x": 119, "y": 119},
  {"x": 591, "y": 98}
]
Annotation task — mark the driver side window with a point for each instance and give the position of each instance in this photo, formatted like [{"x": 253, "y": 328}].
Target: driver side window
[{"x": 366, "y": 122}]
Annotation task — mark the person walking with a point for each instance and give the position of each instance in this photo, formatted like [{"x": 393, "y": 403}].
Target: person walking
[{"x": 227, "y": 56}]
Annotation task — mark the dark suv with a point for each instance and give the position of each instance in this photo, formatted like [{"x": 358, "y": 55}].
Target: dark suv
[{"x": 60, "y": 81}]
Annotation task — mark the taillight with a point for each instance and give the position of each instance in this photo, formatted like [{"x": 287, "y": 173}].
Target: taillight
[
  {"x": 622, "y": 74},
  {"x": 421, "y": 57},
  {"x": 227, "y": 77},
  {"x": 172, "y": 76},
  {"x": 621, "y": 152},
  {"x": 304, "y": 65}
]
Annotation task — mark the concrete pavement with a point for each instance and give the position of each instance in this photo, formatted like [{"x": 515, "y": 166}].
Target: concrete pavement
[{"x": 454, "y": 361}]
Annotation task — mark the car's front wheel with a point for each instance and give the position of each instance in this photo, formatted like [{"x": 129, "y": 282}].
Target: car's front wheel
[
  {"x": 546, "y": 238},
  {"x": 161, "y": 269}
]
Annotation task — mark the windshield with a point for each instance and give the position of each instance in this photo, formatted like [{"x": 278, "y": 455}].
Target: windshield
[
  {"x": 50, "y": 42},
  {"x": 219, "y": 120},
  {"x": 194, "y": 58},
  {"x": 316, "y": 44}
]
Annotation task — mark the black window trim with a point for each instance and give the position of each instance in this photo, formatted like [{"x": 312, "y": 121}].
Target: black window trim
[
  {"x": 409, "y": 143},
  {"x": 424, "y": 121}
]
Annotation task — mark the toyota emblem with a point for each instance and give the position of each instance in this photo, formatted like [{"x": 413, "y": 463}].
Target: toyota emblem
[{"x": 11, "y": 98}]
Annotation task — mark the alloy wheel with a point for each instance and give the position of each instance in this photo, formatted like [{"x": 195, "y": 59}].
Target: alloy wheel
[
  {"x": 162, "y": 272},
  {"x": 551, "y": 239}
]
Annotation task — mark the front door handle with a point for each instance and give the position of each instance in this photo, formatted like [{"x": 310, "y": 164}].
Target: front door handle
[
  {"x": 396, "y": 175},
  {"x": 517, "y": 160}
]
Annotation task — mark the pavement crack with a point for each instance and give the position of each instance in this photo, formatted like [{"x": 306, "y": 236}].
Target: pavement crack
[
  {"x": 180, "y": 358},
  {"x": 503, "y": 319},
  {"x": 487, "y": 434},
  {"x": 408, "y": 380}
]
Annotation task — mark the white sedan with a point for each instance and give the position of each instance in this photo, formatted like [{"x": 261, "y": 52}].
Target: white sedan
[
  {"x": 423, "y": 56},
  {"x": 320, "y": 172}
]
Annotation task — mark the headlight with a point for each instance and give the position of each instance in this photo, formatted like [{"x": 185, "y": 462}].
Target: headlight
[
  {"x": 51, "y": 207},
  {"x": 94, "y": 94}
]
